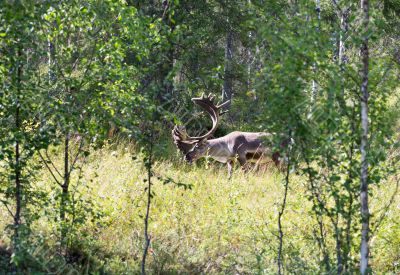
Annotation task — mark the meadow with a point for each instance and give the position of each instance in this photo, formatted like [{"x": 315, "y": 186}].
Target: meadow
[{"x": 200, "y": 221}]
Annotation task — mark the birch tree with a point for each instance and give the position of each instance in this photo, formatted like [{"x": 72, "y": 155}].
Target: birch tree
[
  {"x": 227, "y": 89},
  {"x": 364, "y": 250}
]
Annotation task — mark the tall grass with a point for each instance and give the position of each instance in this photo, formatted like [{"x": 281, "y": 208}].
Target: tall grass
[{"x": 200, "y": 222}]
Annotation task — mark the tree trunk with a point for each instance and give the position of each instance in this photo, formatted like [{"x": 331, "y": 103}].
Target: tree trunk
[
  {"x": 51, "y": 61},
  {"x": 339, "y": 257},
  {"x": 65, "y": 191},
  {"x": 17, "y": 169},
  {"x": 314, "y": 89},
  {"x": 282, "y": 210},
  {"x": 249, "y": 64},
  {"x": 227, "y": 90},
  {"x": 344, "y": 28},
  {"x": 147, "y": 238},
  {"x": 342, "y": 57},
  {"x": 364, "y": 143}
]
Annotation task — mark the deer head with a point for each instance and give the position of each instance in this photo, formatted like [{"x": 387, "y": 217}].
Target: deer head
[{"x": 195, "y": 147}]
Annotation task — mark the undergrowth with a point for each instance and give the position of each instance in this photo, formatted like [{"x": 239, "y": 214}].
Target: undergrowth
[{"x": 200, "y": 221}]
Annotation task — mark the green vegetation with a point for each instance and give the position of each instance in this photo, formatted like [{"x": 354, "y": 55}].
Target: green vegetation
[
  {"x": 210, "y": 225},
  {"x": 91, "y": 181}
]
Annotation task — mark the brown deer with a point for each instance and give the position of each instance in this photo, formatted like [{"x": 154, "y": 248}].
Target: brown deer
[{"x": 243, "y": 146}]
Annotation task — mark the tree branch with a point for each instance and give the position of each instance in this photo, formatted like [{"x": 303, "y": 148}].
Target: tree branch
[{"x": 49, "y": 169}]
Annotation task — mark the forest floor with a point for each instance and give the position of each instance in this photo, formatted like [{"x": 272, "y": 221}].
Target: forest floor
[{"x": 200, "y": 221}]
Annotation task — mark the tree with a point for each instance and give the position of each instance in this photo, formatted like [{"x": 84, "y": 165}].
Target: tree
[
  {"x": 364, "y": 141},
  {"x": 23, "y": 132},
  {"x": 328, "y": 137}
]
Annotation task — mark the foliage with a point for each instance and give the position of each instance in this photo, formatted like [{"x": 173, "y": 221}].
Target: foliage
[
  {"x": 77, "y": 77},
  {"x": 218, "y": 225}
]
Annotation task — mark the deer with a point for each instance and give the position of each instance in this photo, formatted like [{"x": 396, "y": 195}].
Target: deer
[{"x": 245, "y": 147}]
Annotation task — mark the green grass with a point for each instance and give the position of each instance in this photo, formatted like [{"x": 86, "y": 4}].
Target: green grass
[{"x": 216, "y": 226}]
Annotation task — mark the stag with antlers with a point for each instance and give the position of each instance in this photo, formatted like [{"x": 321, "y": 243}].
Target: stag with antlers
[{"x": 242, "y": 146}]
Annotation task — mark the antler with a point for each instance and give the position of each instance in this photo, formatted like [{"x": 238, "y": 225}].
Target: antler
[
  {"x": 182, "y": 140},
  {"x": 207, "y": 104}
]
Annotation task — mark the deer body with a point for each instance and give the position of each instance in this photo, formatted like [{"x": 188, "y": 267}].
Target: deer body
[
  {"x": 235, "y": 144},
  {"x": 243, "y": 146}
]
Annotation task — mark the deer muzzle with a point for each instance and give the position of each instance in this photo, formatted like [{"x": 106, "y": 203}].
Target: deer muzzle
[{"x": 188, "y": 158}]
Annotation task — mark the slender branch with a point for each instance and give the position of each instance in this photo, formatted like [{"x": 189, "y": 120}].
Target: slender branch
[
  {"x": 72, "y": 166},
  {"x": 52, "y": 163},
  {"x": 280, "y": 214},
  {"x": 17, "y": 168},
  {"x": 8, "y": 209},
  {"x": 49, "y": 169},
  {"x": 147, "y": 238},
  {"x": 339, "y": 258},
  {"x": 350, "y": 156}
]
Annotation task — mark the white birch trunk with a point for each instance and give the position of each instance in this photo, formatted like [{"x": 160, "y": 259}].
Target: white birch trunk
[
  {"x": 314, "y": 89},
  {"x": 364, "y": 143},
  {"x": 227, "y": 89}
]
